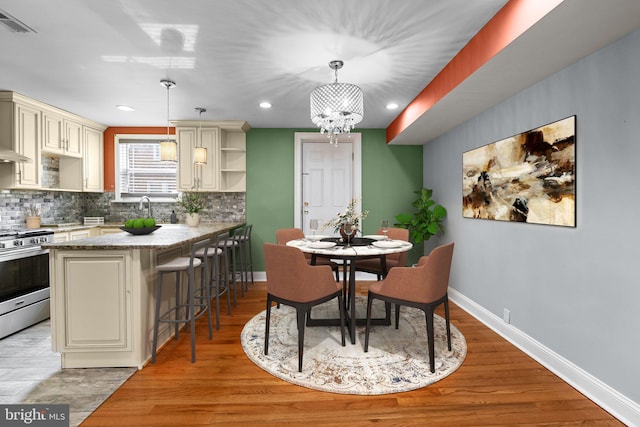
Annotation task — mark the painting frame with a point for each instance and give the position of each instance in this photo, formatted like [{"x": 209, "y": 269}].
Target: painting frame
[{"x": 528, "y": 177}]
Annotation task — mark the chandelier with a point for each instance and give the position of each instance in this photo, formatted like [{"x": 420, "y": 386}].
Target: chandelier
[
  {"x": 336, "y": 107},
  {"x": 168, "y": 147},
  {"x": 199, "y": 152}
]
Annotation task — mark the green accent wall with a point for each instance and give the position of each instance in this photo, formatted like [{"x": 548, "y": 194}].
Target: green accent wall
[{"x": 390, "y": 175}]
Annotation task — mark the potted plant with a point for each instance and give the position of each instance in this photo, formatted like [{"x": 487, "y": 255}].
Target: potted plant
[
  {"x": 426, "y": 221},
  {"x": 192, "y": 203},
  {"x": 351, "y": 216}
]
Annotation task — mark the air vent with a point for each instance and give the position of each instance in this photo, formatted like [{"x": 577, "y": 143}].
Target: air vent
[{"x": 14, "y": 25}]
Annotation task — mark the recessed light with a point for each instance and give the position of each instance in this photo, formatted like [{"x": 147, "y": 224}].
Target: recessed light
[
  {"x": 124, "y": 108},
  {"x": 392, "y": 106},
  {"x": 265, "y": 105}
]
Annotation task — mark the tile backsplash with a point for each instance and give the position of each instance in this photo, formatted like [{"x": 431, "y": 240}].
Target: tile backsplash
[{"x": 69, "y": 207}]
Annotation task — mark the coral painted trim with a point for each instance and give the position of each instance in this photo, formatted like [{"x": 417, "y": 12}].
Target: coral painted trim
[{"x": 515, "y": 18}]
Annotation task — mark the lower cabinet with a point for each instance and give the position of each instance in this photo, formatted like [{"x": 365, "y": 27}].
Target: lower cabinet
[
  {"x": 102, "y": 305},
  {"x": 96, "y": 301},
  {"x": 66, "y": 236}
]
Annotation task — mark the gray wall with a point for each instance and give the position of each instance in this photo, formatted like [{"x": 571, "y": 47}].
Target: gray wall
[{"x": 574, "y": 290}]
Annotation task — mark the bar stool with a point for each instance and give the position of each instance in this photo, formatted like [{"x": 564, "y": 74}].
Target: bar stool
[
  {"x": 217, "y": 284},
  {"x": 200, "y": 300},
  {"x": 246, "y": 256},
  {"x": 227, "y": 273}
]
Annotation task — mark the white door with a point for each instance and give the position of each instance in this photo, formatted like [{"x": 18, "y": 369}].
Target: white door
[{"x": 327, "y": 178}]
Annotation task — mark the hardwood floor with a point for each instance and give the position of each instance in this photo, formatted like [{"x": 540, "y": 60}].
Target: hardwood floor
[{"x": 497, "y": 385}]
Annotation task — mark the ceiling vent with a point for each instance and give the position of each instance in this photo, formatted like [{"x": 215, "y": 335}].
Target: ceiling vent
[{"x": 14, "y": 25}]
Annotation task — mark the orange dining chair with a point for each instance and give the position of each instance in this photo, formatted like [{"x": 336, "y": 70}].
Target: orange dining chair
[
  {"x": 284, "y": 235},
  {"x": 292, "y": 281},
  {"x": 423, "y": 286},
  {"x": 376, "y": 266}
]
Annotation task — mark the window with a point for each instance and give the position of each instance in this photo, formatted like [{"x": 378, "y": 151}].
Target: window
[{"x": 139, "y": 170}]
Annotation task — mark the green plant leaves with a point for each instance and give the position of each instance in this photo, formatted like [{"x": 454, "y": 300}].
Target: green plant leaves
[{"x": 426, "y": 221}]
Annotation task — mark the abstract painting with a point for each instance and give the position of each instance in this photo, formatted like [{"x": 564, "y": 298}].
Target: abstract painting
[{"x": 528, "y": 177}]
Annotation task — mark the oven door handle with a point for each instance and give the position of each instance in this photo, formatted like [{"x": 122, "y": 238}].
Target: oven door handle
[{"x": 14, "y": 254}]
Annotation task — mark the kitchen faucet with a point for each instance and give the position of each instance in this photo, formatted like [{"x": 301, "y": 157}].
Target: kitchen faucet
[{"x": 142, "y": 199}]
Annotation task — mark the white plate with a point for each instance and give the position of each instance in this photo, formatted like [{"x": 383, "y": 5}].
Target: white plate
[
  {"x": 385, "y": 244},
  {"x": 316, "y": 237},
  {"x": 374, "y": 236},
  {"x": 321, "y": 245}
]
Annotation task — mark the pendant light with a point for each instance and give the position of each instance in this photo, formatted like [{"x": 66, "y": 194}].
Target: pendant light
[
  {"x": 199, "y": 152},
  {"x": 168, "y": 147},
  {"x": 336, "y": 107}
]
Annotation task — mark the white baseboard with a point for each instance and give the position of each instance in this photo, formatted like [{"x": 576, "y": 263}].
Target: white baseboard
[{"x": 612, "y": 401}]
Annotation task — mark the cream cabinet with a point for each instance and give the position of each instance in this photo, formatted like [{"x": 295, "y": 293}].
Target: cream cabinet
[
  {"x": 193, "y": 177},
  {"x": 47, "y": 134},
  {"x": 109, "y": 230},
  {"x": 62, "y": 135},
  {"x": 66, "y": 236},
  {"x": 225, "y": 142},
  {"x": 93, "y": 302},
  {"x": 93, "y": 160},
  {"x": 20, "y": 131}
]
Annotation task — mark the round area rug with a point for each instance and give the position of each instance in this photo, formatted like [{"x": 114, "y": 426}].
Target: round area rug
[{"x": 397, "y": 360}]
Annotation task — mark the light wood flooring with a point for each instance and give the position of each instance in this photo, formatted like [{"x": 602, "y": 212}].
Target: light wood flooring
[{"x": 497, "y": 385}]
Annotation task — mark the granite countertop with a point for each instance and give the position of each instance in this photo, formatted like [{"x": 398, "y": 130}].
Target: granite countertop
[{"x": 169, "y": 235}]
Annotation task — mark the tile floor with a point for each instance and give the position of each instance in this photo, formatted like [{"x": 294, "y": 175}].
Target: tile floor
[{"x": 30, "y": 373}]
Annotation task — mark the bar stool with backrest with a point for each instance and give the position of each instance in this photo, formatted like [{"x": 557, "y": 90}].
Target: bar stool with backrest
[
  {"x": 198, "y": 300},
  {"x": 216, "y": 286},
  {"x": 237, "y": 257},
  {"x": 226, "y": 271},
  {"x": 245, "y": 260}
]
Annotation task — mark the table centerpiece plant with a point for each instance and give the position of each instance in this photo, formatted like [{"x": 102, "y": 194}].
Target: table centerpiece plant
[
  {"x": 193, "y": 204},
  {"x": 351, "y": 216}
]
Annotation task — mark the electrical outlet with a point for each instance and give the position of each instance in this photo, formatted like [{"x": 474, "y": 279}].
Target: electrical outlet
[{"x": 506, "y": 316}]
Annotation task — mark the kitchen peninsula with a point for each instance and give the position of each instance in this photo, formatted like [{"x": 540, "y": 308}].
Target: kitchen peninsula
[{"x": 103, "y": 293}]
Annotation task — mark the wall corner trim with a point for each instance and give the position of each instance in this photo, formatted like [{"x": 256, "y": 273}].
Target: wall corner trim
[{"x": 614, "y": 402}]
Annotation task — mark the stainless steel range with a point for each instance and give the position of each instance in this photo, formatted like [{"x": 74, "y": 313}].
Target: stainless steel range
[{"x": 24, "y": 279}]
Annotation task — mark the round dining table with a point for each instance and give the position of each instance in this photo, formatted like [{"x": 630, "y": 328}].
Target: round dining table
[{"x": 372, "y": 246}]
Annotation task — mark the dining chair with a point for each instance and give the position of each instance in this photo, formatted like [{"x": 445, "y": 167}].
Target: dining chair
[
  {"x": 284, "y": 235},
  {"x": 380, "y": 266},
  {"x": 423, "y": 287},
  {"x": 292, "y": 281}
]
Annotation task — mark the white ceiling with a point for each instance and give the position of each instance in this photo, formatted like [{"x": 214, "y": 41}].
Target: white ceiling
[
  {"x": 87, "y": 56},
  {"x": 229, "y": 55}
]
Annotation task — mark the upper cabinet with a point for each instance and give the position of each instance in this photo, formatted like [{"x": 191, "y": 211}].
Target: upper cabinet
[
  {"x": 20, "y": 131},
  {"x": 62, "y": 135},
  {"x": 93, "y": 160},
  {"x": 192, "y": 177},
  {"x": 66, "y": 150},
  {"x": 225, "y": 142}
]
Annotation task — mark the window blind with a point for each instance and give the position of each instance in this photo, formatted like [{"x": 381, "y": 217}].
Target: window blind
[{"x": 143, "y": 173}]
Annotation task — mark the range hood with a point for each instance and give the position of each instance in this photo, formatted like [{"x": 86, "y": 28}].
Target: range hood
[{"x": 12, "y": 156}]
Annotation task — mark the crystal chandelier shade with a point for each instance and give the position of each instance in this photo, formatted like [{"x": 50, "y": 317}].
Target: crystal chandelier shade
[
  {"x": 168, "y": 147},
  {"x": 336, "y": 107}
]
